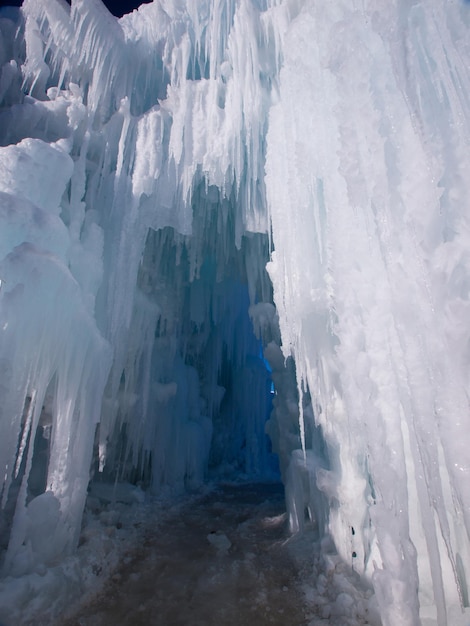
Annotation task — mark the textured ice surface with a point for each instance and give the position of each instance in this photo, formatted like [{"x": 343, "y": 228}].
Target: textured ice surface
[{"x": 150, "y": 167}]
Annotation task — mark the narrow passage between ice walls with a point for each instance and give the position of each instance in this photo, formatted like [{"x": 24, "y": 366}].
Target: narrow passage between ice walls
[{"x": 202, "y": 199}]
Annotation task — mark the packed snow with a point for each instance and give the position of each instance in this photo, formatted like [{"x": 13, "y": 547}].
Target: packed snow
[{"x": 234, "y": 241}]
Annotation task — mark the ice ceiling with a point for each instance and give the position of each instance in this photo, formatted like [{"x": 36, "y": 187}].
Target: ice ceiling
[{"x": 204, "y": 184}]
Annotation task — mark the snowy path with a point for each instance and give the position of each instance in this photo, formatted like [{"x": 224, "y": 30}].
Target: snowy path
[{"x": 186, "y": 573}]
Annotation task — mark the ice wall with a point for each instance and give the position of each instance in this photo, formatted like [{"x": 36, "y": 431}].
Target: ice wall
[
  {"x": 128, "y": 265},
  {"x": 148, "y": 168},
  {"x": 367, "y": 181}
]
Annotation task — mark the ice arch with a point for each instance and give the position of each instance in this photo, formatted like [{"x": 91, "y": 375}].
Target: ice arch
[{"x": 149, "y": 166}]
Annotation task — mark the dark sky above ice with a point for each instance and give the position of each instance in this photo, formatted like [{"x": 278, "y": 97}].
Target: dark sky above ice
[{"x": 117, "y": 7}]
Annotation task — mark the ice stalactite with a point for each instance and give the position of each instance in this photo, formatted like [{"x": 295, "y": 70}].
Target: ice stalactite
[{"x": 54, "y": 361}]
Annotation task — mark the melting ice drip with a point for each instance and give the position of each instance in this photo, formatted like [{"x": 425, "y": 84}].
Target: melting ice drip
[{"x": 148, "y": 167}]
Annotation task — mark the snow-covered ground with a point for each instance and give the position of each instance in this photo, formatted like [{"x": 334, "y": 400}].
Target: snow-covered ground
[
  {"x": 226, "y": 557},
  {"x": 223, "y": 556}
]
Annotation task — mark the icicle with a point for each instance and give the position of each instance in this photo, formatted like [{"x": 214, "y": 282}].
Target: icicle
[
  {"x": 26, "y": 434},
  {"x": 301, "y": 418}
]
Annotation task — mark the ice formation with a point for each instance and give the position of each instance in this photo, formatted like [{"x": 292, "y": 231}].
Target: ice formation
[{"x": 202, "y": 185}]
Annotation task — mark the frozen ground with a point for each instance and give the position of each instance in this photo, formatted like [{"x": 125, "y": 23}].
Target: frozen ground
[{"x": 224, "y": 558}]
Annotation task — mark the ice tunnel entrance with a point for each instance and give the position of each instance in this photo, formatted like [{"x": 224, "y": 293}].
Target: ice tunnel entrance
[{"x": 195, "y": 389}]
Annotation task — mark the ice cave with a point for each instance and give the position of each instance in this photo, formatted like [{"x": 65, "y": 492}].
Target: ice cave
[{"x": 235, "y": 243}]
